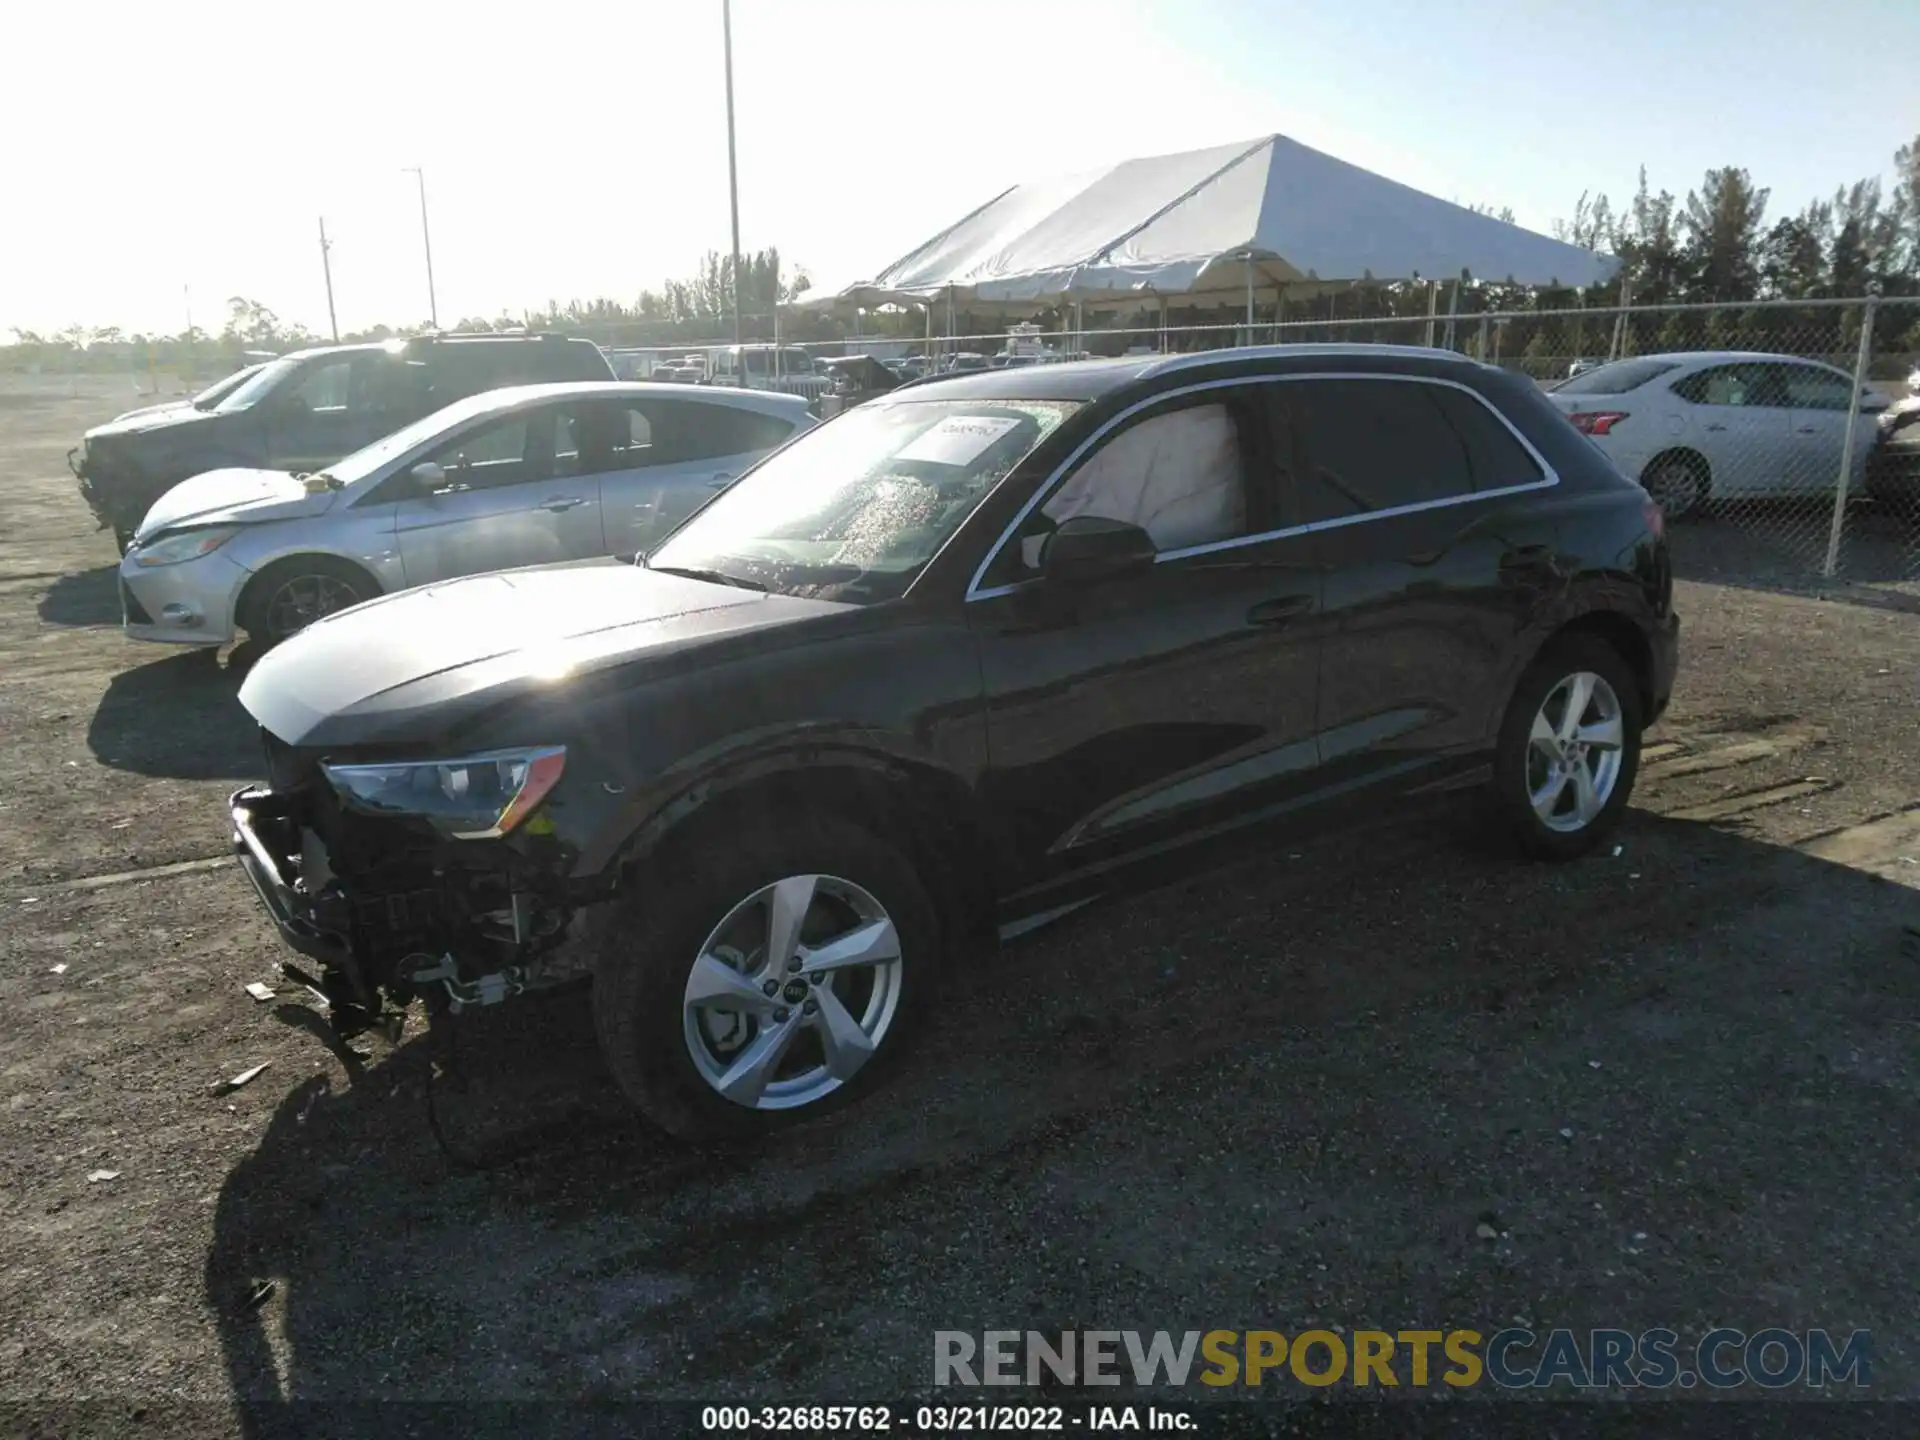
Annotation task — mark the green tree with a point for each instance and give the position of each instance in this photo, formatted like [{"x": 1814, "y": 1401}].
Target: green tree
[{"x": 1722, "y": 221}]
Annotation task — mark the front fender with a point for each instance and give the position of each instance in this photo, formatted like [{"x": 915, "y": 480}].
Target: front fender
[{"x": 606, "y": 825}]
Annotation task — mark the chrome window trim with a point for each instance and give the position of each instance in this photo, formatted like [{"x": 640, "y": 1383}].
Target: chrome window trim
[{"x": 1046, "y": 487}]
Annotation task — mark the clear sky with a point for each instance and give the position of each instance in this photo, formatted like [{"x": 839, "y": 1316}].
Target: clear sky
[{"x": 150, "y": 152}]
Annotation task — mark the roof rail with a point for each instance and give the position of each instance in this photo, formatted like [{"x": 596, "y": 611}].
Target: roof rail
[{"x": 517, "y": 332}]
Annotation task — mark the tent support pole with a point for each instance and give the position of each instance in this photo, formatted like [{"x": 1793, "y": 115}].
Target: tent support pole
[
  {"x": 1433, "y": 308},
  {"x": 1163, "y": 324},
  {"x": 1618, "y": 347}
]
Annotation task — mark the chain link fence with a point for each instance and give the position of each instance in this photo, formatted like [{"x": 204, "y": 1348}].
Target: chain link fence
[{"x": 1771, "y": 431}]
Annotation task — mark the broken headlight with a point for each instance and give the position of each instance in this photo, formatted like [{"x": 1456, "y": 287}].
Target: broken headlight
[{"x": 473, "y": 797}]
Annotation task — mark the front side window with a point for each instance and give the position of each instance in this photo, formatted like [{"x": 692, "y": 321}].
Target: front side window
[
  {"x": 323, "y": 387},
  {"x": 1734, "y": 385},
  {"x": 503, "y": 453},
  {"x": 854, "y": 509},
  {"x": 1177, "y": 475},
  {"x": 262, "y": 383}
]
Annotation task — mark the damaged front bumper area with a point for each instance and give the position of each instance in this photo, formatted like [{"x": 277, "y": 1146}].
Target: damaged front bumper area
[{"x": 389, "y": 914}]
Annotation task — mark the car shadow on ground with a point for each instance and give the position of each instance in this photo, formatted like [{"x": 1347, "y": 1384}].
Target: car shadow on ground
[
  {"x": 87, "y": 597},
  {"x": 205, "y": 734},
  {"x": 482, "y": 1218}
]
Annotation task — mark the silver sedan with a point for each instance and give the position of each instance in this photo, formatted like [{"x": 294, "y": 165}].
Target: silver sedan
[{"x": 525, "y": 476}]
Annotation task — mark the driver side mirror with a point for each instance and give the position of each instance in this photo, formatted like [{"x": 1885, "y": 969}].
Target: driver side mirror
[
  {"x": 1090, "y": 548},
  {"x": 428, "y": 478}
]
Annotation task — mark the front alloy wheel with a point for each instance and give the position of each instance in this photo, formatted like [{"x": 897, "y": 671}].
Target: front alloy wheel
[
  {"x": 763, "y": 965},
  {"x": 303, "y": 599},
  {"x": 793, "y": 992}
]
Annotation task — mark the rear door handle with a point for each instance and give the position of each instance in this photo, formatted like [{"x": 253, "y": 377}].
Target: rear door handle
[
  {"x": 566, "y": 502},
  {"x": 1279, "y": 611},
  {"x": 720, "y": 482},
  {"x": 1716, "y": 427},
  {"x": 1807, "y": 430}
]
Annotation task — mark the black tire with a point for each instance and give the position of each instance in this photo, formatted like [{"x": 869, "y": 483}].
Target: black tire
[
  {"x": 1512, "y": 787},
  {"x": 643, "y": 943},
  {"x": 1679, "y": 484},
  {"x": 124, "y": 539},
  {"x": 256, "y": 613}
]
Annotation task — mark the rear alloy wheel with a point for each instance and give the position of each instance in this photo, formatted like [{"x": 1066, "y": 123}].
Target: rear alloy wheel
[
  {"x": 761, "y": 973},
  {"x": 1569, "y": 749},
  {"x": 1678, "y": 486},
  {"x": 285, "y": 599},
  {"x": 1573, "y": 752}
]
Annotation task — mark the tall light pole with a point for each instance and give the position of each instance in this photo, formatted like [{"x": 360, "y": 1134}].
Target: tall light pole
[
  {"x": 426, "y": 239},
  {"x": 326, "y": 268},
  {"x": 733, "y": 172}
]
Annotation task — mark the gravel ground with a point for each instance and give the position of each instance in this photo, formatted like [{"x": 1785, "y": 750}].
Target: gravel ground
[{"x": 1677, "y": 1083}]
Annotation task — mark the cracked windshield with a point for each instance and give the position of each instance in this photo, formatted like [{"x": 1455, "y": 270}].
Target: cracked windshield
[{"x": 853, "y": 511}]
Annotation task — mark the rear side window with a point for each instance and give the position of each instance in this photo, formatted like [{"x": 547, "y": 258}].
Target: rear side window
[
  {"x": 1616, "y": 378},
  {"x": 1811, "y": 389},
  {"x": 1369, "y": 445},
  {"x": 639, "y": 435},
  {"x": 1495, "y": 456},
  {"x": 689, "y": 430},
  {"x": 468, "y": 367},
  {"x": 572, "y": 360}
]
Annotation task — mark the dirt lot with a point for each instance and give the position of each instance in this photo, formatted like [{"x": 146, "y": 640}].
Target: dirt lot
[{"x": 1681, "y": 1080}]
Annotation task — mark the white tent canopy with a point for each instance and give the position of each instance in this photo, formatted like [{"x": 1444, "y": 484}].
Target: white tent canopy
[{"x": 1205, "y": 222}]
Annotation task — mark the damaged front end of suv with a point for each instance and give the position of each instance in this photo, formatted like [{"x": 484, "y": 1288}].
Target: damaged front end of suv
[{"x": 433, "y": 877}]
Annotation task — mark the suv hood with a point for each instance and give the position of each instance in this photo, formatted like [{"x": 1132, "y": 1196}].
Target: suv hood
[
  {"x": 139, "y": 422},
  {"x": 408, "y": 668},
  {"x": 232, "y": 497}
]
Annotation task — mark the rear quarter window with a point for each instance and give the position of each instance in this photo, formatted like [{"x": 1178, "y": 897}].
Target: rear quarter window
[{"x": 1616, "y": 378}]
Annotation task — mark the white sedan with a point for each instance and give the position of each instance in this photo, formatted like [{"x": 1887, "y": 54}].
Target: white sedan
[
  {"x": 533, "y": 475},
  {"x": 1722, "y": 424}
]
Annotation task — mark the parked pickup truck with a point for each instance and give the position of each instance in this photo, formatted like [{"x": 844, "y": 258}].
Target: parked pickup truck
[
  {"x": 784, "y": 368},
  {"x": 301, "y": 412}
]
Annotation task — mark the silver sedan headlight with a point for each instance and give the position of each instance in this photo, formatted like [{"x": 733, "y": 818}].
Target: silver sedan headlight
[
  {"x": 184, "y": 545},
  {"x": 470, "y": 797}
]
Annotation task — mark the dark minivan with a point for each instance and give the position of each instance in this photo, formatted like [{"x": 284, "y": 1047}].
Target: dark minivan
[
  {"x": 306, "y": 410},
  {"x": 972, "y": 653}
]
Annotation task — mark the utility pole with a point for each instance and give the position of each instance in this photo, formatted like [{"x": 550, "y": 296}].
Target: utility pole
[
  {"x": 326, "y": 268},
  {"x": 733, "y": 172},
  {"x": 426, "y": 239}
]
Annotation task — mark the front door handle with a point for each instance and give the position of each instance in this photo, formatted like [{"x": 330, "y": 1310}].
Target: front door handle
[
  {"x": 565, "y": 502},
  {"x": 1807, "y": 430},
  {"x": 1716, "y": 427},
  {"x": 1279, "y": 611}
]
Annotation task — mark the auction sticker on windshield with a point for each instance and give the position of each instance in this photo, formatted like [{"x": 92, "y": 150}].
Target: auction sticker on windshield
[{"x": 958, "y": 439}]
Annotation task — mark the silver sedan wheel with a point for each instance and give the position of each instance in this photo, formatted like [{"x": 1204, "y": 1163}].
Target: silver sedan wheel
[
  {"x": 1574, "y": 751},
  {"x": 1675, "y": 487},
  {"x": 793, "y": 992},
  {"x": 305, "y": 599}
]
